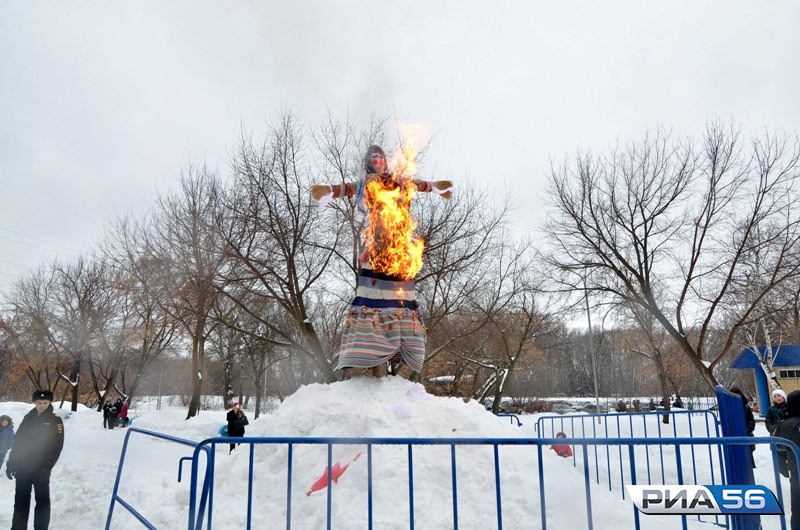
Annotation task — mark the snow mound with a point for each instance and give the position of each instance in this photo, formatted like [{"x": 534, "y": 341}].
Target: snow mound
[
  {"x": 389, "y": 407},
  {"x": 368, "y": 407}
]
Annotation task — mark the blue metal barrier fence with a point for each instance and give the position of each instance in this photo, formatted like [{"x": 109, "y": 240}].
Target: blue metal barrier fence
[
  {"x": 195, "y": 459},
  {"x": 609, "y": 466},
  {"x": 197, "y": 517}
]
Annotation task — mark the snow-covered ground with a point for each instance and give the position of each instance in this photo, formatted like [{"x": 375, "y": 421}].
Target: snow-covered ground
[{"x": 83, "y": 479}]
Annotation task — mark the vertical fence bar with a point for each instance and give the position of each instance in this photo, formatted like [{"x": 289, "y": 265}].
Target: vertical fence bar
[
  {"x": 455, "y": 485},
  {"x": 647, "y": 449},
  {"x": 369, "y": 486},
  {"x": 289, "y": 488},
  {"x": 608, "y": 452},
  {"x": 596, "y": 452},
  {"x": 192, "y": 491},
  {"x": 497, "y": 487},
  {"x": 330, "y": 489},
  {"x": 587, "y": 488},
  {"x": 542, "y": 505},
  {"x": 661, "y": 451},
  {"x": 679, "y": 465},
  {"x": 632, "y": 458},
  {"x": 249, "y": 488},
  {"x": 410, "y": 487},
  {"x": 694, "y": 462},
  {"x": 115, "y": 491},
  {"x": 211, "y": 458},
  {"x": 778, "y": 485},
  {"x": 621, "y": 468}
]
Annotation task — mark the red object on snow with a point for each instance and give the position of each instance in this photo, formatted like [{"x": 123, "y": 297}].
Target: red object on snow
[
  {"x": 336, "y": 471},
  {"x": 562, "y": 450}
]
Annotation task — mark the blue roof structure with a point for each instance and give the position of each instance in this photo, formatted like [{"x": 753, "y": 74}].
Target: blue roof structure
[{"x": 786, "y": 355}]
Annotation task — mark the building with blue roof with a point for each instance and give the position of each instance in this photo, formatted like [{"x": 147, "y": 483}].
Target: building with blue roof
[{"x": 786, "y": 366}]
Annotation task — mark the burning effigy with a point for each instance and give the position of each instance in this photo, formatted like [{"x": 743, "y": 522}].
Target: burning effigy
[{"x": 383, "y": 326}]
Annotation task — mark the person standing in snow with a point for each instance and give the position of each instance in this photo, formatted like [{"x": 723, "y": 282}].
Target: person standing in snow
[
  {"x": 236, "y": 423},
  {"x": 749, "y": 419},
  {"x": 777, "y": 411},
  {"x": 36, "y": 449},
  {"x": 789, "y": 428},
  {"x": 383, "y": 327},
  {"x": 6, "y": 436},
  {"x": 113, "y": 414},
  {"x": 105, "y": 415},
  {"x": 562, "y": 450},
  {"x": 123, "y": 414}
]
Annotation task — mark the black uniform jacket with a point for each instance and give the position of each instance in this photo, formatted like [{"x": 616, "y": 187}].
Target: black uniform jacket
[{"x": 38, "y": 442}]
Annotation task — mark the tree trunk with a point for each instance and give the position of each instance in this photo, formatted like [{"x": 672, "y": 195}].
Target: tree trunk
[
  {"x": 74, "y": 380},
  {"x": 663, "y": 383},
  {"x": 198, "y": 347}
]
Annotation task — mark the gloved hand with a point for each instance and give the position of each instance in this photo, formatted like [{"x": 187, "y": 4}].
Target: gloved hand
[{"x": 10, "y": 473}]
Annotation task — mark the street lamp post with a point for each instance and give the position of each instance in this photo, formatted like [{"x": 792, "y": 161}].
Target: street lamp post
[{"x": 591, "y": 350}]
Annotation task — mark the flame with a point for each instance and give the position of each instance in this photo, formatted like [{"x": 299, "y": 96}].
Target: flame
[{"x": 392, "y": 247}]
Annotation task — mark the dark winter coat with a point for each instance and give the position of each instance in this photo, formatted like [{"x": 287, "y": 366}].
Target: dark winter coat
[
  {"x": 6, "y": 438},
  {"x": 236, "y": 422},
  {"x": 789, "y": 428},
  {"x": 775, "y": 415},
  {"x": 38, "y": 443},
  {"x": 750, "y": 420}
]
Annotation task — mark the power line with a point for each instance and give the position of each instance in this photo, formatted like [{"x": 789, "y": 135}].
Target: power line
[
  {"x": 12, "y": 263},
  {"x": 38, "y": 247},
  {"x": 36, "y": 239}
]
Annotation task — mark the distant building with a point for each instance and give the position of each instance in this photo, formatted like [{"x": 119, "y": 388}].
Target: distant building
[{"x": 786, "y": 367}]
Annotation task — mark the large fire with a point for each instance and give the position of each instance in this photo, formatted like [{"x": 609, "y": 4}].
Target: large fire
[{"x": 393, "y": 249}]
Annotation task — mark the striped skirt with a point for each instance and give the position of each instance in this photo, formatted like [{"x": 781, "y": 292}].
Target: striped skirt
[
  {"x": 383, "y": 323},
  {"x": 375, "y": 336}
]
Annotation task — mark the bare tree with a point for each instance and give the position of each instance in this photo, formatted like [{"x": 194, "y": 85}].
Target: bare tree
[
  {"x": 178, "y": 259},
  {"x": 510, "y": 315},
  {"x": 279, "y": 247},
  {"x": 674, "y": 227},
  {"x": 26, "y": 349},
  {"x": 68, "y": 305}
]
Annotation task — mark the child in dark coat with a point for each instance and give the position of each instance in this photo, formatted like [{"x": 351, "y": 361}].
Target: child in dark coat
[
  {"x": 777, "y": 412},
  {"x": 6, "y": 436}
]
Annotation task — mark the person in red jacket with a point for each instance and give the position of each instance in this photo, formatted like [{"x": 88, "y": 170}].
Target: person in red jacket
[
  {"x": 123, "y": 414},
  {"x": 563, "y": 450}
]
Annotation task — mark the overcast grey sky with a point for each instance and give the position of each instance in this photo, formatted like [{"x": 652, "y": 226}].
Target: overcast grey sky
[{"x": 103, "y": 103}]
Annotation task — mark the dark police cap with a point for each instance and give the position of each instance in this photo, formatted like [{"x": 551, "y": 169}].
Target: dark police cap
[{"x": 42, "y": 394}]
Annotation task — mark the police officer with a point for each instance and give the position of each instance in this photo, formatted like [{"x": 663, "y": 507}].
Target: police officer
[{"x": 37, "y": 447}]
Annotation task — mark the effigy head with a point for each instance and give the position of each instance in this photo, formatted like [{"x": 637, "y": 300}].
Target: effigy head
[{"x": 375, "y": 160}]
